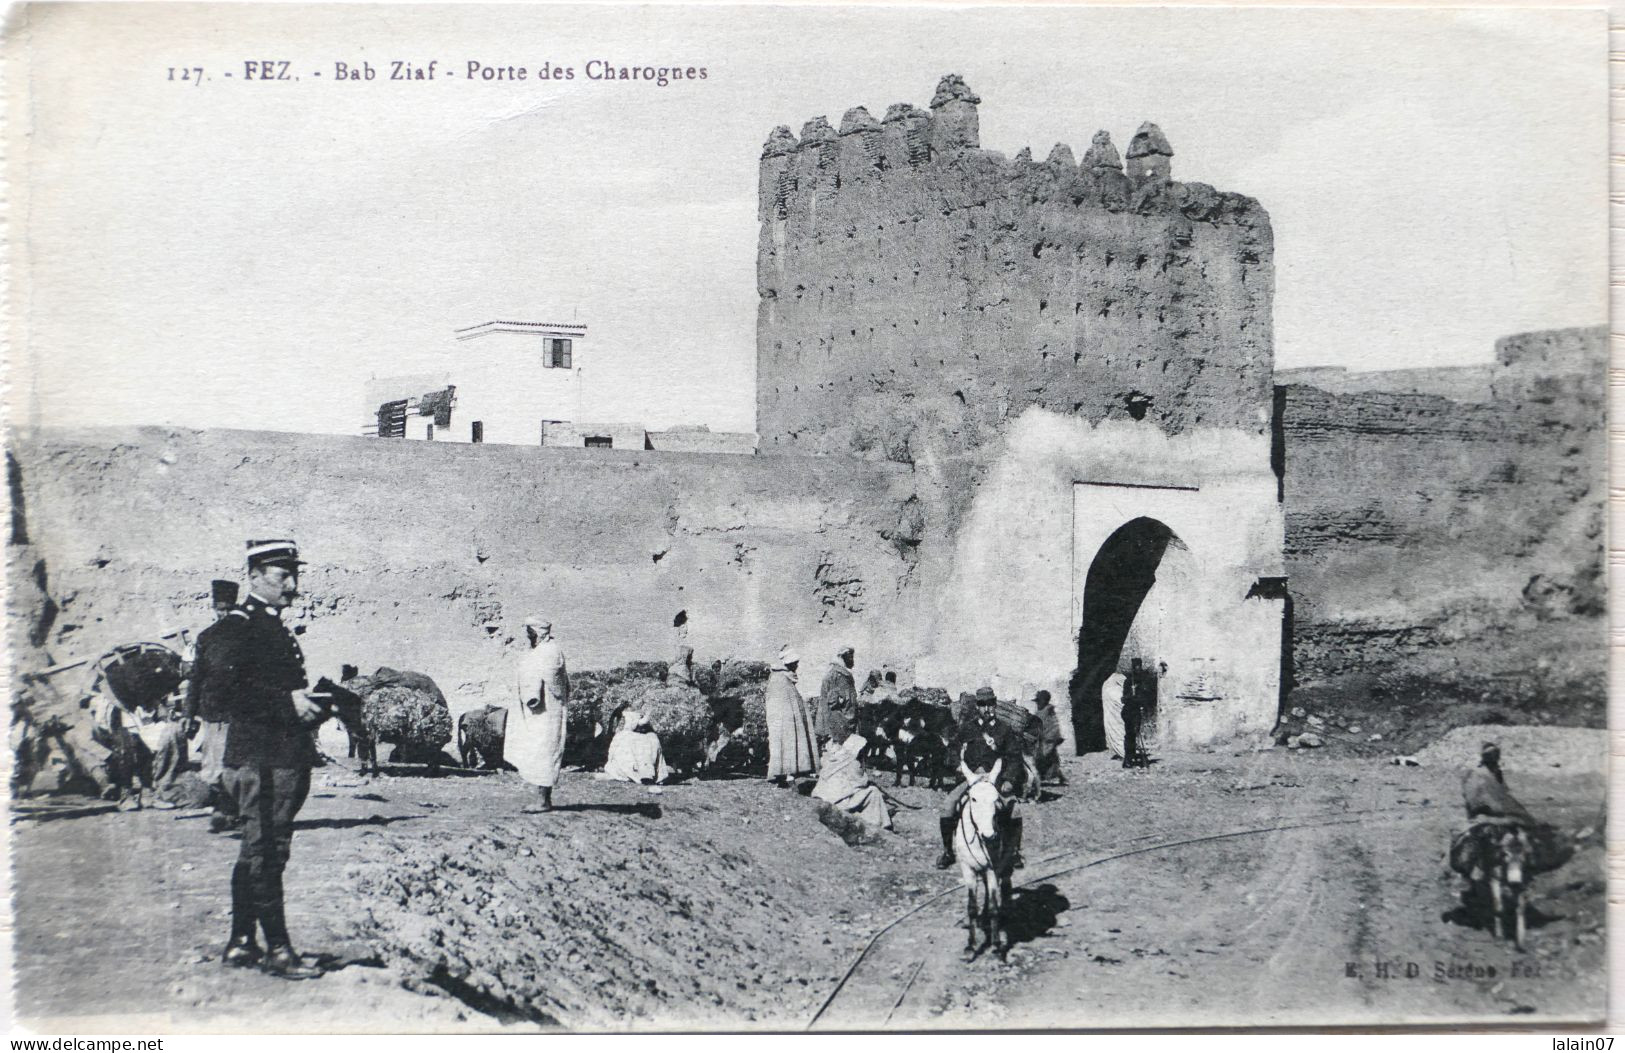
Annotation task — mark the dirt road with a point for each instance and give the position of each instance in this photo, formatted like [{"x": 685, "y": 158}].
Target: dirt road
[{"x": 726, "y": 904}]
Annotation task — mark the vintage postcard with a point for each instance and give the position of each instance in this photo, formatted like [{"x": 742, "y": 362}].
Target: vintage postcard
[{"x": 615, "y": 518}]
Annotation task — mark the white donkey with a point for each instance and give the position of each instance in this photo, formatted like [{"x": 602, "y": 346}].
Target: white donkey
[{"x": 984, "y": 852}]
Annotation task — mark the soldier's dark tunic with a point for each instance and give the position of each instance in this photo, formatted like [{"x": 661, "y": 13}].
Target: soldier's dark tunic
[
  {"x": 270, "y": 755},
  {"x": 208, "y": 699},
  {"x": 979, "y": 756},
  {"x": 1139, "y": 697},
  {"x": 208, "y": 687}
]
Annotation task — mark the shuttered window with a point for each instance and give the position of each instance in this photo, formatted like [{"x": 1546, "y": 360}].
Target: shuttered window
[{"x": 392, "y": 420}]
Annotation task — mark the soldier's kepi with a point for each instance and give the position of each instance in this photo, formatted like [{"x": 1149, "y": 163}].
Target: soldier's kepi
[{"x": 270, "y": 754}]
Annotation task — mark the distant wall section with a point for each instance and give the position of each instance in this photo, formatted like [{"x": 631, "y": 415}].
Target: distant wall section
[
  {"x": 427, "y": 555},
  {"x": 1453, "y": 539}
]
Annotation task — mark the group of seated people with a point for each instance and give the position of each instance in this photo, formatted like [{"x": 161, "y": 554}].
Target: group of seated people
[{"x": 986, "y": 749}]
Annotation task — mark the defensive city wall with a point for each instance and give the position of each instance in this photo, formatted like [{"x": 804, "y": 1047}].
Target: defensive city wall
[
  {"x": 427, "y": 556},
  {"x": 1445, "y": 528},
  {"x": 1019, "y": 421}
]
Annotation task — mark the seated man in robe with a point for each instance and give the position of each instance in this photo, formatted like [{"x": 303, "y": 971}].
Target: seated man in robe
[
  {"x": 1491, "y": 810},
  {"x": 1484, "y": 791},
  {"x": 634, "y": 753},
  {"x": 842, "y": 783}
]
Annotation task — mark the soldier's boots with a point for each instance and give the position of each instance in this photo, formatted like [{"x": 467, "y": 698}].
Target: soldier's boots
[
  {"x": 946, "y": 860},
  {"x": 284, "y": 962},
  {"x": 242, "y": 952}
]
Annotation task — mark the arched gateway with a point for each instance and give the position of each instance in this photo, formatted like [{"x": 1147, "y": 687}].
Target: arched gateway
[
  {"x": 1135, "y": 592},
  {"x": 1170, "y": 574}
]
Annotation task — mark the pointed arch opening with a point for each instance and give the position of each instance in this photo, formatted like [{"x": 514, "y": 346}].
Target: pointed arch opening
[{"x": 1131, "y": 601}]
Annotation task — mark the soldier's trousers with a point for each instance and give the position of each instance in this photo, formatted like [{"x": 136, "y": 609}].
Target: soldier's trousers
[
  {"x": 1133, "y": 756},
  {"x": 268, "y": 799}
]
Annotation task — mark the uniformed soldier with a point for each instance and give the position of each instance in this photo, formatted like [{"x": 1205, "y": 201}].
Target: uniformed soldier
[
  {"x": 986, "y": 746},
  {"x": 1134, "y": 705},
  {"x": 269, "y": 752},
  {"x": 207, "y": 711}
]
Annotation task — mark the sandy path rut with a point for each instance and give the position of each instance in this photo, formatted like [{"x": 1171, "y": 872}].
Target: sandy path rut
[{"x": 726, "y": 905}]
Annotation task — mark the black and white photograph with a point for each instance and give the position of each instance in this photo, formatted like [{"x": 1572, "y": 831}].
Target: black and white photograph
[{"x": 836, "y": 518}]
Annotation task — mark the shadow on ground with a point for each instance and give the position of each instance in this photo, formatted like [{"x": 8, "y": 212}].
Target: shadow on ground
[
  {"x": 347, "y": 824},
  {"x": 1033, "y": 912}
]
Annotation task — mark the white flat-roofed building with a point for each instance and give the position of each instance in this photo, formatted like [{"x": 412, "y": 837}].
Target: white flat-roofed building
[{"x": 504, "y": 380}]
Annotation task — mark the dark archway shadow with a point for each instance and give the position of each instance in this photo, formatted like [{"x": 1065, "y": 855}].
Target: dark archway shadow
[
  {"x": 1033, "y": 912},
  {"x": 1119, "y": 578},
  {"x": 349, "y": 824}
]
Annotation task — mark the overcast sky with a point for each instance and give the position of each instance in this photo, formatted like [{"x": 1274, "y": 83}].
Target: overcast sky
[{"x": 247, "y": 254}]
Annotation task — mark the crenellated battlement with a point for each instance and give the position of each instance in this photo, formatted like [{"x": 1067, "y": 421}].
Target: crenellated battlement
[
  {"x": 908, "y": 139},
  {"x": 918, "y": 291}
]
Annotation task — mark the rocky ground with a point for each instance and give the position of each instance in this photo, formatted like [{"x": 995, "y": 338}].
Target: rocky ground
[{"x": 1277, "y": 887}]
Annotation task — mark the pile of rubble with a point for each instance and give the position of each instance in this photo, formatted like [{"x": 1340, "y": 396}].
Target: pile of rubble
[{"x": 1300, "y": 729}]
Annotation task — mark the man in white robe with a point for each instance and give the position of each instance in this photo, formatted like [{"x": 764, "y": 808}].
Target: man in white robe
[
  {"x": 535, "y": 743},
  {"x": 843, "y": 784},
  {"x": 1111, "y": 712},
  {"x": 634, "y": 753}
]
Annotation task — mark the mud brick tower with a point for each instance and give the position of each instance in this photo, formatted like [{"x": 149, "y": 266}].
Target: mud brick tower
[{"x": 1076, "y": 357}]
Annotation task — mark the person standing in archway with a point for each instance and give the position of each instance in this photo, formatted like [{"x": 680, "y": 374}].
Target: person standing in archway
[
  {"x": 1113, "y": 694},
  {"x": 1134, "y": 715}
]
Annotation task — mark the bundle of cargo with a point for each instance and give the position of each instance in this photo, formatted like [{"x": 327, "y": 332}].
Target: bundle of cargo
[
  {"x": 723, "y": 715},
  {"x": 141, "y": 676},
  {"x": 1012, "y": 715},
  {"x": 740, "y": 702},
  {"x": 407, "y": 710}
]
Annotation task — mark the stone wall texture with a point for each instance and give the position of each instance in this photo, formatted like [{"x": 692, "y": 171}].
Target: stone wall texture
[
  {"x": 427, "y": 556},
  {"x": 1440, "y": 538},
  {"x": 918, "y": 291}
]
